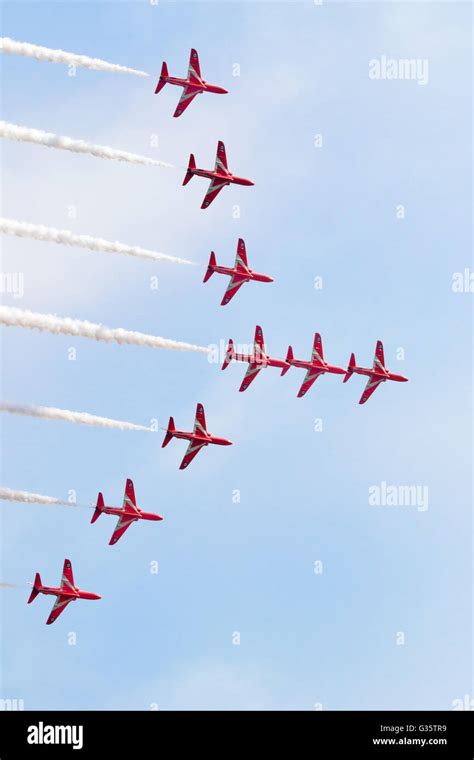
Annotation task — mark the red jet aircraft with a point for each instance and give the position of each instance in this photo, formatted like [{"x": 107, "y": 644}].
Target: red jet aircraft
[
  {"x": 197, "y": 439},
  {"x": 240, "y": 274},
  {"x": 316, "y": 367},
  {"x": 378, "y": 374},
  {"x": 127, "y": 514},
  {"x": 66, "y": 593},
  {"x": 257, "y": 361},
  {"x": 220, "y": 177},
  {"x": 193, "y": 85}
]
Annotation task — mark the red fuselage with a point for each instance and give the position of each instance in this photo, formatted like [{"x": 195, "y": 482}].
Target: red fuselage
[
  {"x": 138, "y": 515},
  {"x": 324, "y": 367},
  {"x": 196, "y": 86},
  {"x": 68, "y": 592},
  {"x": 228, "y": 179},
  {"x": 247, "y": 275},
  {"x": 379, "y": 375},
  {"x": 263, "y": 360},
  {"x": 205, "y": 440}
]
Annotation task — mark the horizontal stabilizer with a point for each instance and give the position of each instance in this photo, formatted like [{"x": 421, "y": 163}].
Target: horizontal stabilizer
[
  {"x": 210, "y": 266},
  {"x": 169, "y": 433},
  {"x": 37, "y": 586},
  {"x": 350, "y": 369},
  {"x": 190, "y": 172},
  {"x": 98, "y": 509},
  {"x": 229, "y": 355},
  {"x": 163, "y": 77}
]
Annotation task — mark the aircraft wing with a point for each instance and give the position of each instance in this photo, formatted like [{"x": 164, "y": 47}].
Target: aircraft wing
[
  {"x": 311, "y": 376},
  {"x": 213, "y": 191},
  {"x": 317, "y": 356},
  {"x": 241, "y": 257},
  {"x": 193, "y": 449},
  {"x": 194, "y": 69},
  {"x": 186, "y": 98},
  {"x": 259, "y": 343},
  {"x": 123, "y": 523},
  {"x": 379, "y": 359},
  {"x": 369, "y": 389},
  {"x": 59, "y": 606},
  {"x": 200, "y": 420},
  {"x": 250, "y": 375},
  {"x": 129, "y": 499},
  {"x": 221, "y": 159},
  {"x": 236, "y": 281},
  {"x": 67, "y": 578}
]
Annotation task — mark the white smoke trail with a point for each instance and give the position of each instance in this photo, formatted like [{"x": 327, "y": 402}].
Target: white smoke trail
[
  {"x": 9, "y": 585},
  {"x": 25, "y": 497},
  {"x": 79, "y": 418},
  {"x": 50, "y": 140},
  {"x": 40, "y": 53},
  {"x": 65, "y": 237},
  {"x": 13, "y": 317},
  {"x": 8, "y": 494}
]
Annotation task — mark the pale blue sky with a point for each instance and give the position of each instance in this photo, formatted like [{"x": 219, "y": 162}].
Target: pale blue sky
[{"x": 328, "y": 212}]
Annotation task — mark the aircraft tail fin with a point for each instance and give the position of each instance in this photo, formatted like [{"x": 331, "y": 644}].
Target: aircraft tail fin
[
  {"x": 163, "y": 77},
  {"x": 230, "y": 354},
  {"x": 98, "y": 508},
  {"x": 190, "y": 171},
  {"x": 169, "y": 433},
  {"x": 37, "y": 586},
  {"x": 285, "y": 369},
  {"x": 350, "y": 369},
  {"x": 210, "y": 266}
]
